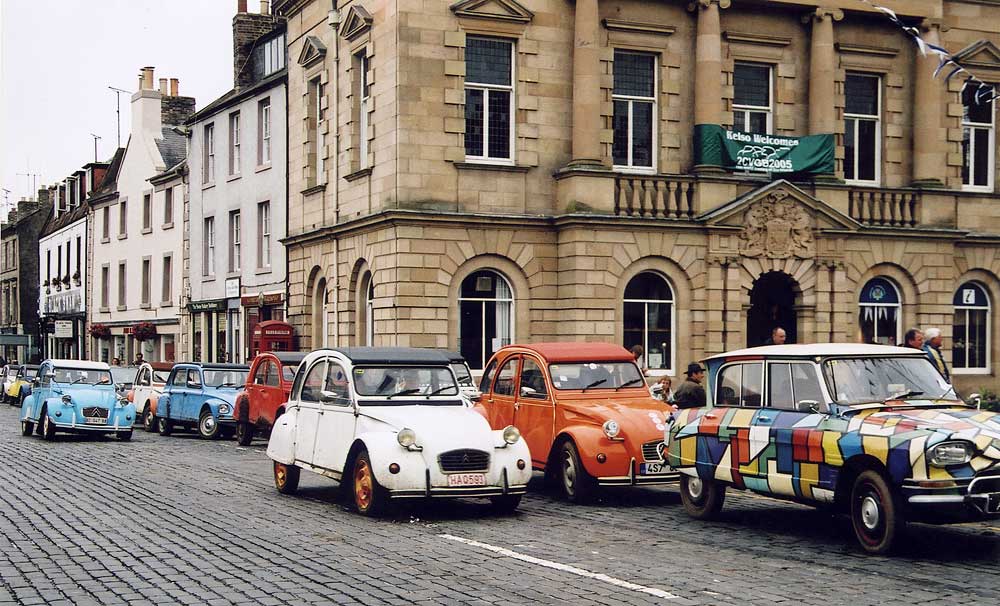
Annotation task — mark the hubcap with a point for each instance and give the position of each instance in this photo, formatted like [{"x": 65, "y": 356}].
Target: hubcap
[
  {"x": 695, "y": 488},
  {"x": 870, "y": 513},
  {"x": 208, "y": 424},
  {"x": 280, "y": 474},
  {"x": 362, "y": 485},
  {"x": 569, "y": 474}
]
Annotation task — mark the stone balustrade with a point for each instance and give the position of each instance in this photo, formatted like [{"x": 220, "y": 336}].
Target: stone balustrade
[
  {"x": 884, "y": 207},
  {"x": 656, "y": 197}
]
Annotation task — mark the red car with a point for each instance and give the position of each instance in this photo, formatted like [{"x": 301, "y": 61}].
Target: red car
[{"x": 263, "y": 399}]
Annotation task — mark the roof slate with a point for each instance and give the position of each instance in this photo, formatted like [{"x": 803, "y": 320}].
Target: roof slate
[{"x": 173, "y": 147}]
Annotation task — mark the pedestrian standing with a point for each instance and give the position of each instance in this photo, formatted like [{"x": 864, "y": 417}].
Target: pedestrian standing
[
  {"x": 932, "y": 345},
  {"x": 913, "y": 339},
  {"x": 691, "y": 394},
  {"x": 778, "y": 336},
  {"x": 138, "y": 360},
  {"x": 638, "y": 353}
]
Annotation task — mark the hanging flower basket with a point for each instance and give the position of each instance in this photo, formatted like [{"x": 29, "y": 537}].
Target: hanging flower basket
[
  {"x": 76, "y": 278},
  {"x": 144, "y": 331},
  {"x": 100, "y": 331}
]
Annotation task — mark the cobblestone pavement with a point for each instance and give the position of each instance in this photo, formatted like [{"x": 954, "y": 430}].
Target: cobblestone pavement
[{"x": 180, "y": 520}]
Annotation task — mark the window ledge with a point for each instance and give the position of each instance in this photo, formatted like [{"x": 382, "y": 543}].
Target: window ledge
[
  {"x": 233, "y": 177},
  {"x": 166, "y": 303},
  {"x": 234, "y": 274},
  {"x": 314, "y": 189},
  {"x": 364, "y": 172},
  {"x": 147, "y": 230},
  {"x": 262, "y": 167},
  {"x": 971, "y": 371},
  {"x": 145, "y": 306},
  {"x": 122, "y": 307},
  {"x": 208, "y": 278},
  {"x": 104, "y": 310},
  {"x": 264, "y": 270},
  {"x": 977, "y": 189},
  {"x": 122, "y": 236},
  {"x": 167, "y": 226},
  {"x": 506, "y": 168},
  {"x": 105, "y": 240},
  {"x": 208, "y": 185}
]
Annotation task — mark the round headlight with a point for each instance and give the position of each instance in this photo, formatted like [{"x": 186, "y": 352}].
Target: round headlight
[
  {"x": 950, "y": 453},
  {"x": 611, "y": 428},
  {"x": 406, "y": 437},
  {"x": 224, "y": 409},
  {"x": 511, "y": 434},
  {"x": 67, "y": 398}
]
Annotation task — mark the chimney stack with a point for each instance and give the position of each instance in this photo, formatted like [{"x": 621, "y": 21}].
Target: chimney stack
[
  {"x": 247, "y": 29},
  {"x": 264, "y": 7},
  {"x": 241, "y": 6},
  {"x": 163, "y": 86},
  {"x": 174, "y": 87},
  {"x": 147, "y": 78}
]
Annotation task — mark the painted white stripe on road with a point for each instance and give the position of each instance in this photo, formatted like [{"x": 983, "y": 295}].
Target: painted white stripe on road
[{"x": 563, "y": 567}]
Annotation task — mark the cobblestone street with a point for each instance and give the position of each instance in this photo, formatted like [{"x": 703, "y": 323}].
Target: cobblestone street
[{"x": 183, "y": 521}]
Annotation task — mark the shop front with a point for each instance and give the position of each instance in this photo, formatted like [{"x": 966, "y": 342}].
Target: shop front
[
  {"x": 209, "y": 330},
  {"x": 258, "y": 308}
]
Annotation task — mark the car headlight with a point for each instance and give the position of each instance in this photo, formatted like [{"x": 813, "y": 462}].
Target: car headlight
[
  {"x": 224, "y": 409},
  {"x": 611, "y": 428},
  {"x": 67, "y": 399},
  {"x": 950, "y": 453},
  {"x": 511, "y": 434},
  {"x": 406, "y": 437}
]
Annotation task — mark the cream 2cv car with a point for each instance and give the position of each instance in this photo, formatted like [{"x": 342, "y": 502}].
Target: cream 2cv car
[{"x": 389, "y": 423}]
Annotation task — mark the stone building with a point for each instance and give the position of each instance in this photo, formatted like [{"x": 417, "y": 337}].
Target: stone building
[
  {"x": 19, "y": 329},
  {"x": 236, "y": 212},
  {"x": 466, "y": 174}
]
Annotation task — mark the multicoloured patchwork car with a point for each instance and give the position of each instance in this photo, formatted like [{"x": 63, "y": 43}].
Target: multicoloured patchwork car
[{"x": 874, "y": 431}]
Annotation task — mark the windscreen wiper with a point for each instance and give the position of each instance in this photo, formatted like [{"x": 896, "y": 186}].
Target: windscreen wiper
[
  {"x": 632, "y": 382},
  {"x": 595, "y": 384},
  {"x": 405, "y": 392},
  {"x": 903, "y": 396}
]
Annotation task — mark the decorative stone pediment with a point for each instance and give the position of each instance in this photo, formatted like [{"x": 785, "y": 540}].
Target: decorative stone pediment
[
  {"x": 982, "y": 54},
  {"x": 357, "y": 22},
  {"x": 778, "y": 221},
  {"x": 495, "y": 10},
  {"x": 313, "y": 50}
]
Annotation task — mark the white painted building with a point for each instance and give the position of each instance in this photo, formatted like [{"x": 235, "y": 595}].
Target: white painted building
[
  {"x": 237, "y": 214},
  {"x": 136, "y": 229},
  {"x": 62, "y": 271}
]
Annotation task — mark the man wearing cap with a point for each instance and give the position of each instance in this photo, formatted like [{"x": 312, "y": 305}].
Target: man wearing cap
[
  {"x": 932, "y": 345},
  {"x": 691, "y": 394}
]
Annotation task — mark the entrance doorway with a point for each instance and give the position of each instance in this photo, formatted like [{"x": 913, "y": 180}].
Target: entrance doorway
[{"x": 772, "y": 304}]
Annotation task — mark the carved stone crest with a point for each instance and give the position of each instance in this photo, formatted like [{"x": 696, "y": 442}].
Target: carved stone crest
[{"x": 777, "y": 228}]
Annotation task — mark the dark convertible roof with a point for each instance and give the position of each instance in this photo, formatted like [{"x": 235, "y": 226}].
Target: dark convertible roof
[
  {"x": 289, "y": 357},
  {"x": 394, "y": 355}
]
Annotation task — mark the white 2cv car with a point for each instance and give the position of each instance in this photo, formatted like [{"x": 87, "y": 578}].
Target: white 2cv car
[{"x": 389, "y": 423}]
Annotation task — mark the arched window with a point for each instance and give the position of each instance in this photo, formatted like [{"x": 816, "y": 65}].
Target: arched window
[
  {"x": 319, "y": 320},
  {"x": 970, "y": 349},
  {"x": 486, "y": 316},
  {"x": 370, "y": 313},
  {"x": 364, "y": 306},
  {"x": 879, "y": 316},
  {"x": 649, "y": 319}
]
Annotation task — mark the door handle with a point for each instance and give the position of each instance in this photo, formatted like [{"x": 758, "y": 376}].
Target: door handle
[
  {"x": 709, "y": 415},
  {"x": 517, "y": 405},
  {"x": 764, "y": 419}
]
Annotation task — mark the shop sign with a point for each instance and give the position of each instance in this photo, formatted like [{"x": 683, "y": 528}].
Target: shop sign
[
  {"x": 64, "y": 329},
  {"x": 215, "y": 305},
  {"x": 740, "y": 151},
  {"x": 64, "y": 303},
  {"x": 261, "y": 300},
  {"x": 233, "y": 288}
]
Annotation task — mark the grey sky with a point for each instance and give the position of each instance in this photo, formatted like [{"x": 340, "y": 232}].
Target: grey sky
[{"x": 57, "y": 58}]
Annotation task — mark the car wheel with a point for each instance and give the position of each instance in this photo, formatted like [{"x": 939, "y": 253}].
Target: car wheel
[
  {"x": 164, "y": 426},
  {"x": 48, "y": 427},
  {"x": 506, "y": 503},
  {"x": 370, "y": 499},
  {"x": 27, "y": 427},
  {"x": 244, "y": 433},
  {"x": 286, "y": 478},
  {"x": 208, "y": 427},
  {"x": 149, "y": 421},
  {"x": 576, "y": 484},
  {"x": 124, "y": 436},
  {"x": 702, "y": 499},
  {"x": 875, "y": 513}
]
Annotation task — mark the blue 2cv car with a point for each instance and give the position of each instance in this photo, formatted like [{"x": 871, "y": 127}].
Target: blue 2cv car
[
  {"x": 201, "y": 396},
  {"x": 76, "y": 397}
]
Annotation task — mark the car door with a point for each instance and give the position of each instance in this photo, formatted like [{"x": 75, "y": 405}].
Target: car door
[
  {"x": 43, "y": 390},
  {"x": 793, "y": 387},
  {"x": 307, "y": 415},
  {"x": 534, "y": 413},
  {"x": 255, "y": 389},
  {"x": 272, "y": 395},
  {"x": 738, "y": 398},
  {"x": 337, "y": 421},
  {"x": 178, "y": 393},
  {"x": 502, "y": 394}
]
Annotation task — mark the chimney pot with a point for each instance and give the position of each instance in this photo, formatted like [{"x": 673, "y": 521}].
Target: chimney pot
[
  {"x": 264, "y": 7},
  {"x": 163, "y": 86},
  {"x": 147, "y": 78},
  {"x": 174, "y": 86},
  {"x": 241, "y": 6}
]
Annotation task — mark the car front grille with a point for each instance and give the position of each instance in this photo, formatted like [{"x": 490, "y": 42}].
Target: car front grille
[
  {"x": 651, "y": 451},
  {"x": 458, "y": 461},
  {"x": 95, "y": 412}
]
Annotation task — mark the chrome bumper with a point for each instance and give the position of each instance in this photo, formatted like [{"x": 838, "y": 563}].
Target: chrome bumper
[
  {"x": 634, "y": 479},
  {"x": 979, "y": 497},
  {"x": 430, "y": 491}
]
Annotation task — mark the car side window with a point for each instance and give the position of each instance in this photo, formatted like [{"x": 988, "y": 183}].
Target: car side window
[
  {"x": 336, "y": 384},
  {"x": 180, "y": 378},
  {"x": 753, "y": 379},
  {"x": 504, "y": 385},
  {"x": 312, "y": 385},
  {"x": 805, "y": 384},
  {"x": 729, "y": 381},
  {"x": 779, "y": 387},
  {"x": 194, "y": 379},
  {"x": 260, "y": 375},
  {"x": 487, "y": 380},
  {"x": 272, "y": 377},
  {"x": 533, "y": 380}
]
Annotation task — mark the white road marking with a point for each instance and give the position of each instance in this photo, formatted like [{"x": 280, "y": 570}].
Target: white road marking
[{"x": 563, "y": 567}]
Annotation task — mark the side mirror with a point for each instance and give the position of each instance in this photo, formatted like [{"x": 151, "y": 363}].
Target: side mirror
[
  {"x": 476, "y": 397},
  {"x": 329, "y": 397},
  {"x": 50, "y": 376},
  {"x": 193, "y": 385},
  {"x": 528, "y": 391},
  {"x": 978, "y": 399},
  {"x": 36, "y": 382},
  {"x": 807, "y": 406}
]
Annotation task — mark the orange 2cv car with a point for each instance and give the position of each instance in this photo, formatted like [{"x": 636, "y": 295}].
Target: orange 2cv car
[
  {"x": 584, "y": 411},
  {"x": 263, "y": 398}
]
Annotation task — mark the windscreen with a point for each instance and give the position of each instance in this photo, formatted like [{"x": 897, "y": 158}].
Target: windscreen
[
  {"x": 225, "y": 378},
  {"x": 865, "y": 380},
  {"x": 393, "y": 381},
  {"x": 85, "y": 376},
  {"x": 288, "y": 371},
  {"x": 123, "y": 374},
  {"x": 462, "y": 373},
  {"x": 160, "y": 376},
  {"x": 31, "y": 373},
  {"x": 596, "y": 375}
]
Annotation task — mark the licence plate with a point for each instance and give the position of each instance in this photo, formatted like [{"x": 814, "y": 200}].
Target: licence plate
[
  {"x": 467, "y": 479},
  {"x": 653, "y": 468},
  {"x": 95, "y": 421}
]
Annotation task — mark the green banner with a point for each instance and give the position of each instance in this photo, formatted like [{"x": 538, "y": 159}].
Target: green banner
[{"x": 736, "y": 150}]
